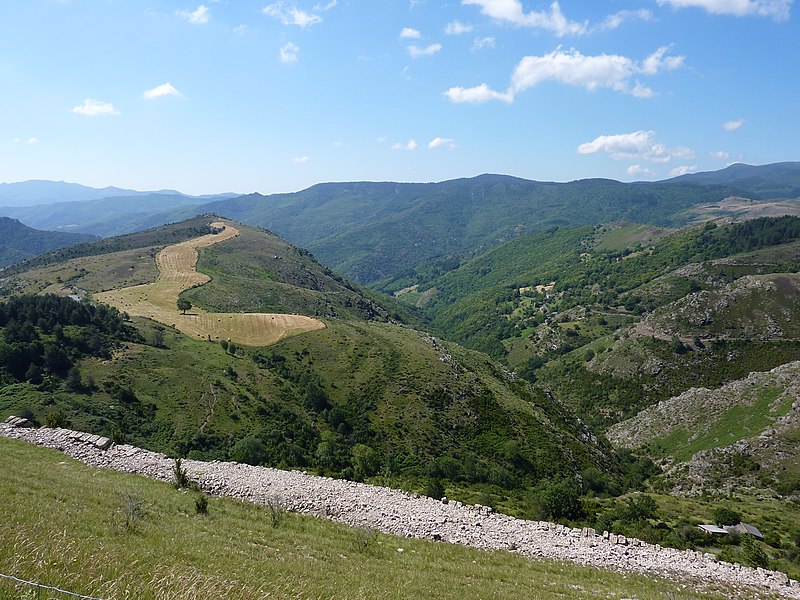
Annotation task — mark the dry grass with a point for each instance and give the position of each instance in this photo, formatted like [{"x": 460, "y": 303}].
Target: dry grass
[{"x": 178, "y": 272}]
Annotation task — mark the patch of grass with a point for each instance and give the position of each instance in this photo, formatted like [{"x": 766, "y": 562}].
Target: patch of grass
[
  {"x": 736, "y": 423},
  {"x": 63, "y": 534}
]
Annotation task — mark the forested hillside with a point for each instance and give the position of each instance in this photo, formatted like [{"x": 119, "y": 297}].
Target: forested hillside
[
  {"x": 367, "y": 396},
  {"x": 19, "y": 242}
]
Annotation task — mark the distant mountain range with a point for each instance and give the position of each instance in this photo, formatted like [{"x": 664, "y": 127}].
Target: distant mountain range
[{"x": 372, "y": 232}]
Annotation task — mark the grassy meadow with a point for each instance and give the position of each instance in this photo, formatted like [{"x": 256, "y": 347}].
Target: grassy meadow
[{"x": 113, "y": 535}]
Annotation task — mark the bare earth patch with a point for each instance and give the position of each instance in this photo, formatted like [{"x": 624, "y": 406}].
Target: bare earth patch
[{"x": 178, "y": 272}]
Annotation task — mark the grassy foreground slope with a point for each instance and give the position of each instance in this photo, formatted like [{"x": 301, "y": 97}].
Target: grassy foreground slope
[{"x": 112, "y": 535}]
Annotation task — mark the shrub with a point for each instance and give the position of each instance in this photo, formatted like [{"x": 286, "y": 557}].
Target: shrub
[
  {"x": 249, "y": 450},
  {"x": 201, "y": 504},
  {"x": 563, "y": 501},
  {"x": 276, "y": 512},
  {"x": 752, "y": 553},
  {"x": 131, "y": 512},
  {"x": 180, "y": 476},
  {"x": 435, "y": 489},
  {"x": 726, "y": 516}
]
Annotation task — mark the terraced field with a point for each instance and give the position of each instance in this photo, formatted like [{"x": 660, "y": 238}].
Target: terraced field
[{"x": 178, "y": 272}]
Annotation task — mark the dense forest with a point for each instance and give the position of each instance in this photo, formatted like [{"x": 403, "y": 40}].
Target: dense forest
[{"x": 43, "y": 337}]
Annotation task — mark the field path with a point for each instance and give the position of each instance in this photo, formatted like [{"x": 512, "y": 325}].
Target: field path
[{"x": 178, "y": 272}]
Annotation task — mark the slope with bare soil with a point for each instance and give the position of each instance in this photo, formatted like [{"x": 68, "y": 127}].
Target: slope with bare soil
[{"x": 177, "y": 266}]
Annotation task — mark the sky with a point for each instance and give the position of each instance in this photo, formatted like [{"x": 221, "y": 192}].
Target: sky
[{"x": 276, "y": 96}]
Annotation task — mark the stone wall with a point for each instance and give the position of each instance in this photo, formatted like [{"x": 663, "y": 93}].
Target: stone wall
[{"x": 409, "y": 515}]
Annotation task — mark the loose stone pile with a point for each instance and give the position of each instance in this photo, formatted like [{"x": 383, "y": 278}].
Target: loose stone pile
[{"x": 409, "y": 515}]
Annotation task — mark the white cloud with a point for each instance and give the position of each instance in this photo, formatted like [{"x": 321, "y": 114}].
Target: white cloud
[
  {"x": 733, "y": 125},
  {"x": 165, "y": 89},
  {"x": 326, "y": 7},
  {"x": 301, "y": 160},
  {"x": 288, "y": 53},
  {"x": 573, "y": 68},
  {"x": 410, "y": 34},
  {"x": 409, "y": 145},
  {"x": 291, "y": 15},
  {"x": 439, "y": 142},
  {"x": 658, "y": 61},
  {"x": 477, "y": 95},
  {"x": 30, "y": 141},
  {"x": 457, "y": 28},
  {"x": 484, "y": 42},
  {"x": 240, "y": 29},
  {"x": 777, "y": 9},
  {"x": 613, "y": 21},
  {"x": 511, "y": 11},
  {"x": 720, "y": 154},
  {"x": 94, "y": 108},
  {"x": 199, "y": 16},
  {"x": 682, "y": 170},
  {"x": 639, "y": 171},
  {"x": 416, "y": 51},
  {"x": 638, "y": 145}
]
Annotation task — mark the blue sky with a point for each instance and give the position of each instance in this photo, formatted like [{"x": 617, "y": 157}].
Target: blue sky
[{"x": 267, "y": 96}]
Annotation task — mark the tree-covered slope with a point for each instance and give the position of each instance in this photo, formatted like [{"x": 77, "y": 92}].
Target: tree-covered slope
[
  {"x": 371, "y": 231},
  {"x": 19, "y": 242},
  {"x": 777, "y": 180}
]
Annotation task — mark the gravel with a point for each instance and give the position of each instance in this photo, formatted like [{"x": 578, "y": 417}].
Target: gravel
[{"x": 410, "y": 515}]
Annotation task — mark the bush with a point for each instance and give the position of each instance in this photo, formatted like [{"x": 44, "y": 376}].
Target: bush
[
  {"x": 179, "y": 474},
  {"x": 752, "y": 553},
  {"x": 726, "y": 516},
  {"x": 435, "y": 489},
  {"x": 249, "y": 450},
  {"x": 562, "y": 501},
  {"x": 201, "y": 504}
]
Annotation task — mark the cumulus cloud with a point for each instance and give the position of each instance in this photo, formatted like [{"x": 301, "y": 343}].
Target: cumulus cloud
[
  {"x": 409, "y": 145},
  {"x": 165, "y": 89},
  {"x": 410, "y": 34},
  {"x": 720, "y": 154},
  {"x": 291, "y": 15},
  {"x": 777, "y": 9},
  {"x": 457, "y": 28},
  {"x": 511, "y": 11},
  {"x": 30, "y": 141},
  {"x": 439, "y": 142},
  {"x": 573, "y": 68},
  {"x": 477, "y": 95},
  {"x": 95, "y": 108},
  {"x": 733, "y": 125},
  {"x": 416, "y": 52},
  {"x": 617, "y": 19},
  {"x": 483, "y": 42},
  {"x": 639, "y": 171},
  {"x": 682, "y": 170},
  {"x": 198, "y": 16},
  {"x": 301, "y": 160},
  {"x": 637, "y": 145},
  {"x": 288, "y": 53}
]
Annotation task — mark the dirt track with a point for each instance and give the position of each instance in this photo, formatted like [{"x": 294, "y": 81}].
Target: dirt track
[{"x": 177, "y": 265}]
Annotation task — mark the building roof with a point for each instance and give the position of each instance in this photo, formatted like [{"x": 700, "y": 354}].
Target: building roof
[
  {"x": 745, "y": 528},
  {"x": 713, "y": 529}
]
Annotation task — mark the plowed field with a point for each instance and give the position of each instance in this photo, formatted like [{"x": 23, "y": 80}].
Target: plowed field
[{"x": 177, "y": 266}]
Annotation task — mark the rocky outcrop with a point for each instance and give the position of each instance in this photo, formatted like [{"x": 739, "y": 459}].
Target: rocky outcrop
[{"x": 409, "y": 515}]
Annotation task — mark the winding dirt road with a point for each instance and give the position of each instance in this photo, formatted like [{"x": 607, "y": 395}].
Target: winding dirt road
[{"x": 178, "y": 272}]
